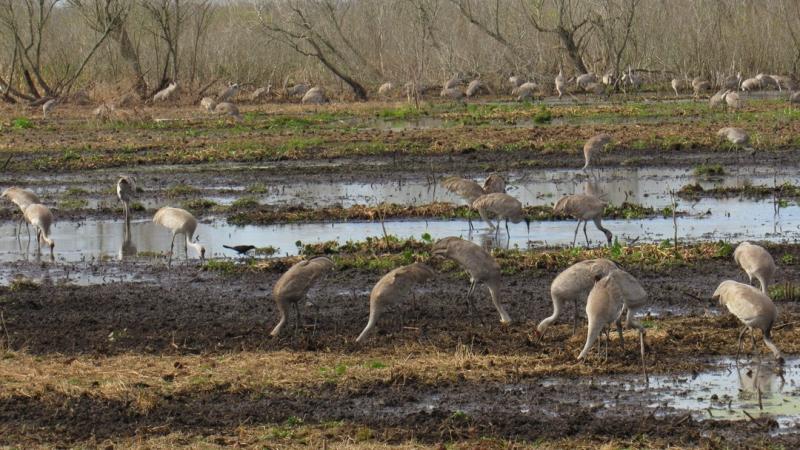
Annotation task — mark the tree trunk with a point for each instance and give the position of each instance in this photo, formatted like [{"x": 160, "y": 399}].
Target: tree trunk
[
  {"x": 128, "y": 52},
  {"x": 358, "y": 89},
  {"x": 573, "y": 52}
]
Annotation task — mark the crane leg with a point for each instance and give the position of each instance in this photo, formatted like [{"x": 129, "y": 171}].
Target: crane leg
[
  {"x": 754, "y": 348},
  {"x": 739, "y": 348},
  {"x": 296, "y": 316},
  {"x": 508, "y": 233},
  {"x": 575, "y": 316},
  {"x": 575, "y": 238},
  {"x": 171, "y": 249},
  {"x": 619, "y": 330},
  {"x": 470, "y": 307},
  {"x": 584, "y": 232},
  {"x": 641, "y": 349}
]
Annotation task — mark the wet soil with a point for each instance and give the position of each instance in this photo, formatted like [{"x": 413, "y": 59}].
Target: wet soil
[{"x": 186, "y": 311}]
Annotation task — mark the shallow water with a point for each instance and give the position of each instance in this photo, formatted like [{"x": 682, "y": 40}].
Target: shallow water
[{"x": 730, "y": 220}]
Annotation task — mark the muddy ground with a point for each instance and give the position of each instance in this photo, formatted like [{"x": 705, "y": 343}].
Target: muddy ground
[{"x": 189, "y": 313}]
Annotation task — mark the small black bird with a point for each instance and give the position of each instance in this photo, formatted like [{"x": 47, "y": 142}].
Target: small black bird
[{"x": 241, "y": 249}]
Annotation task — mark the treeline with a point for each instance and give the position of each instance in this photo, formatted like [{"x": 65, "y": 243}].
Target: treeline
[{"x": 49, "y": 48}]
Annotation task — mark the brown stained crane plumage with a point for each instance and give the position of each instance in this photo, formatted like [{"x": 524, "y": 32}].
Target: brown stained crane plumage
[
  {"x": 41, "y": 219},
  {"x": 474, "y": 88},
  {"x": 502, "y": 206},
  {"x": 228, "y": 93},
  {"x": 574, "y": 284},
  {"x": 736, "y": 136},
  {"x": 593, "y": 146},
  {"x": 179, "y": 221},
  {"x": 753, "y": 308},
  {"x": 469, "y": 190},
  {"x": 610, "y": 295},
  {"x": 228, "y": 109},
  {"x": 584, "y": 208},
  {"x": 392, "y": 288},
  {"x": 480, "y": 266},
  {"x": 314, "y": 96},
  {"x": 293, "y": 286},
  {"x": 756, "y": 262},
  {"x": 126, "y": 190}
]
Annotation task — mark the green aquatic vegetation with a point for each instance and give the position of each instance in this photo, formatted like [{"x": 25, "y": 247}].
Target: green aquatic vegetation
[
  {"x": 198, "y": 204},
  {"x": 181, "y": 190},
  {"x": 709, "y": 170}
]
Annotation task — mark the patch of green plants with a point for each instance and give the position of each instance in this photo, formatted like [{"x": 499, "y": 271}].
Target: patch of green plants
[
  {"x": 257, "y": 188},
  {"x": 785, "y": 292},
  {"x": 401, "y": 113},
  {"x": 224, "y": 266},
  {"x": 75, "y": 192},
  {"x": 709, "y": 170},
  {"x": 21, "y": 123},
  {"x": 266, "y": 251},
  {"x": 543, "y": 115},
  {"x": 181, "y": 190},
  {"x": 72, "y": 203},
  {"x": 23, "y": 284},
  {"x": 245, "y": 203},
  {"x": 199, "y": 204}
]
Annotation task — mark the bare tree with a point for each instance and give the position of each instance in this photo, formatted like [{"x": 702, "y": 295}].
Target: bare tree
[
  {"x": 614, "y": 21},
  {"x": 302, "y": 26},
  {"x": 571, "y": 25}
]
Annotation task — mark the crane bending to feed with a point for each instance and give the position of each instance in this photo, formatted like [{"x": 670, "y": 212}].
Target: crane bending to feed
[{"x": 179, "y": 221}]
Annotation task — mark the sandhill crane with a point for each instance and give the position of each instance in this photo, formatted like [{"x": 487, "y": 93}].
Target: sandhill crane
[
  {"x": 584, "y": 80},
  {"x": 515, "y": 83},
  {"x": 595, "y": 88},
  {"x": 750, "y": 84},
  {"x": 634, "y": 80},
  {"x": 610, "y": 295},
  {"x": 228, "y": 93},
  {"x": 240, "y": 250},
  {"x": 733, "y": 82},
  {"x": 166, "y": 93},
  {"x": 503, "y": 206},
  {"x": 293, "y": 286},
  {"x": 574, "y": 284},
  {"x": 593, "y": 146},
  {"x": 700, "y": 85},
  {"x": 584, "y": 208},
  {"x": 736, "y": 136},
  {"x": 40, "y": 218},
  {"x": 128, "y": 248},
  {"x": 314, "y": 96},
  {"x": 474, "y": 87},
  {"x": 561, "y": 83},
  {"x": 676, "y": 86},
  {"x": 22, "y": 198},
  {"x": 717, "y": 99},
  {"x": 526, "y": 91},
  {"x": 179, "y": 221},
  {"x": 480, "y": 266},
  {"x": 208, "y": 104},
  {"x": 732, "y": 100},
  {"x": 452, "y": 83},
  {"x": 469, "y": 190},
  {"x": 260, "y": 93},
  {"x": 784, "y": 82},
  {"x": 126, "y": 190},
  {"x": 49, "y": 106},
  {"x": 386, "y": 89},
  {"x": 298, "y": 90},
  {"x": 768, "y": 81},
  {"x": 228, "y": 109},
  {"x": 753, "y": 308},
  {"x": 392, "y": 288},
  {"x": 104, "y": 112},
  {"x": 608, "y": 79},
  {"x": 756, "y": 262},
  {"x": 452, "y": 93},
  {"x": 795, "y": 98}
]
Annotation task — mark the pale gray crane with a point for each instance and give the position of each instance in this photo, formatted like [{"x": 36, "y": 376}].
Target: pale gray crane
[
  {"x": 584, "y": 80},
  {"x": 208, "y": 104},
  {"x": 700, "y": 85},
  {"x": 632, "y": 79},
  {"x": 732, "y": 100},
  {"x": 49, "y": 106},
  {"x": 526, "y": 91},
  {"x": 293, "y": 286},
  {"x": 41, "y": 219},
  {"x": 228, "y": 109},
  {"x": 750, "y": 84},
  {"x": 474, "y": 87},
  {"x": 612, "y": 294},
  {"x": 166, "y": 93},
  {"x": 480, "y": 266},
  {"x": 718, "y": 99},
  {"x": 753, "y": 308},
  {"x": 561, "y": 83},
  {"x": 593, "y": 146},
  {"x": 756, "y": 261},
  {"x": 126, "y": 190},
  {"x": 574, "y": 284},
  {"x": 733, "y": 82},
  {"x": 502, "y": 206},
  {"x": 392, "y": 288},
  {"x": 469, "y": 190},
  {"x": 452, "y": 93},
  {"x": 515, "y": 83},
  {"x": 676, "y": 86},
  {"x": 768, "y": 81},
  {"x": 228, "y": 93},
  {"x": 314, "y": 96},
  {"x": 784, "y": 82},
  {"x": 298, "y": 90},
  {"x": 452, "y": 83},
  {"x": 22, "y": 198},
  {"x": 795, "y": 98},
  {"x": 736, "y": 136},
  {"x": 386, "y": 89},
  {"x": 179, "y": 221},
  {"x": 609, "y": 79},
  {"x": 595, "y": 88},
  {"x": 584, "y": 208}
]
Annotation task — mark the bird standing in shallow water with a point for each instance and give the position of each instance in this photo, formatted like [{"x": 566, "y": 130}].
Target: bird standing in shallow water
[
  {"x": 753, "y": 308},
  {"x": 293, "y": 286},
  {"x": 22, "y": 198},
  {"x": 469, "y": 190},
  {"x": 40, "y": 217},
  {"x": 179, "y": 221},
  {"x": 126, "y": 190},
  {"x": 584, "y": 208},
  {"x": 503, "y": 206},
  {"x": 756, "y": 262}
]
